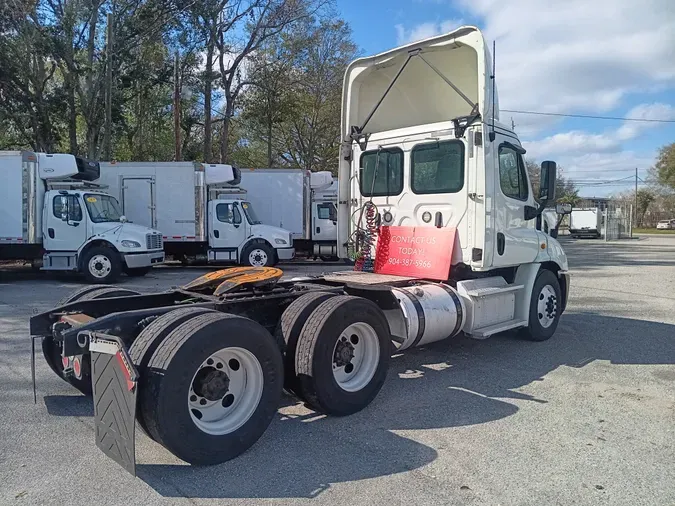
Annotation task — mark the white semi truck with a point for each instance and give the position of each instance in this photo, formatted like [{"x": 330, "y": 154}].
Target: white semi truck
[
  {"x": 303, "y": 202},
  {"x": 201, "y": 212},
  {"x": 424, "y": 158},
  {"x": 54, "y": 215}
]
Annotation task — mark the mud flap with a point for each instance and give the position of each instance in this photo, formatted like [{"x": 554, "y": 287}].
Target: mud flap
[{"x": 114, "y": 381}]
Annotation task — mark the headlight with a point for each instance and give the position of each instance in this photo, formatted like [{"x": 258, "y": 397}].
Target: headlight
[
  {"x": 131, "y": 244},
  {"x": 280, "y": 241}
]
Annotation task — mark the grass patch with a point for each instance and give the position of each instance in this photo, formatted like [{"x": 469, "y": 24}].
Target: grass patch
[{"x": 652, "y": 231}]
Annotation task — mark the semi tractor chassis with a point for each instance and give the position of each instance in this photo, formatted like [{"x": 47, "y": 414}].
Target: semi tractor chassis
[{"x": 201, "y": 368}]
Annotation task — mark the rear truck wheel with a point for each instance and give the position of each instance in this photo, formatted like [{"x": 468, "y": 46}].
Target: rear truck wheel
[
  {"x": 136, "y": 272},
  {"x": 259, "y": 255},
  {"x": 288, "y": 331},
  {"x": 101, "y": 265},
  {"x": 151, "y": 337},
  {"x": 545, "y": 307},
  {"x": 81, "y": 364},
  {"x": 211, "y": 388},
  {"x": 342, "y": 355}
]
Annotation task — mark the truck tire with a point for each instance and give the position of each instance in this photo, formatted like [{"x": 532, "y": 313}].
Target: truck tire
[
  {"x": 150, "y": 338},
  {"x": 136, "y": 272},
  {"x": 101, "y": 265},
  {"x": 259, "y": 255},
  {"x": 52, "y": 353},
  {"x": 343, "y": 355},
  {"x": 288, "y": 331},
  {"x": 545, "y": 307},
  {"x": 211, "y": 388}
]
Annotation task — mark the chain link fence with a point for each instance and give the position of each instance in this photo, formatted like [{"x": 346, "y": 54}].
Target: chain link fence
[{"x": 617, "y": 221}]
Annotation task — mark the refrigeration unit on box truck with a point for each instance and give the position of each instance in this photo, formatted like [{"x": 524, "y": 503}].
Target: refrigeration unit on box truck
[
  {"x": 55, "y": 215},
  {"x": 433, "y": 191},
  {"x": 300, "y": 201},
  {"x": 586, "y": 222},
  {"x": 192, "y": 204}
]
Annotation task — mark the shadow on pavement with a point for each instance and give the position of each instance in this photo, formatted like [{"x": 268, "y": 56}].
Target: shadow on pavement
[{"x": 458, "y": 383}]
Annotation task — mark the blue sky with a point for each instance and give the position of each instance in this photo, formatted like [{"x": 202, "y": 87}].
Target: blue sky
[{"x": 600, "y": 57}]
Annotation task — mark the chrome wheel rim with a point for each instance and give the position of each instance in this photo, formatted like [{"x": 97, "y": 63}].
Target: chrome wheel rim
[
  {"x": 225, "y": 391},
  {"x": 547, "y": 306},
  {"x": 356, "y": 355},
  {"x": 99, "y": 266}
]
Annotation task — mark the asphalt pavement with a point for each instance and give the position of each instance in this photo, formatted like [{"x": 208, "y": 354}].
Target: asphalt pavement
[{"x": 587, "y": 417}]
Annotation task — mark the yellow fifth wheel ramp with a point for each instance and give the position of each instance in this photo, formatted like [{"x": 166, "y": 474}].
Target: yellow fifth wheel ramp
[{"x": 235, "y": 278}]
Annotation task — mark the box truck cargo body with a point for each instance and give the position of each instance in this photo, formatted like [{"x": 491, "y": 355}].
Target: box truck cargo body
[
  {"x": 586, "y": 222},
  {"x": 303, "y": 202},
  {"x": 202, "y": 214},
  {"x": 55, "y": 216}
]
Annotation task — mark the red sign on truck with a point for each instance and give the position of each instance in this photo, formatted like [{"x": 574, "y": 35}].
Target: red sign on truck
[{"x": 424, "y": 252}]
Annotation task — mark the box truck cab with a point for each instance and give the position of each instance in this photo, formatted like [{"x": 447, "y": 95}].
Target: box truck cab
[
  {"x": 56, "y": 217},
  {"x": 302, "y": 202},
  {"x": 202, "y": 213}
]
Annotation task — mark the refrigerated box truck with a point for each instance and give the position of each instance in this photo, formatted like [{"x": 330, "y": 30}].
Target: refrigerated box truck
[
  {"x": 586, "y": 222},
  {"x": 300, "y": 201},
  {"x": 202, "y": 214},
  {"x": 55, "y": 215}
]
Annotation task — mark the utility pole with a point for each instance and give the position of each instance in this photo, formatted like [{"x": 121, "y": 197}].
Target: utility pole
[
  {"x": 176, "y": 106},
  {"x": 107, "y": 139},
  {"x": 513, "y": 124},
  {"x": 636, "y": 198}
]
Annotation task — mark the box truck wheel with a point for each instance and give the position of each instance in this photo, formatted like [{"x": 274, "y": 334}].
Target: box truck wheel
[
  {"x": 151, "y": 337},
  {"x": 52, "y": 352},
  {"x": 288, "y": 331},
  {"x": 259, "y": 254},
  {"x": 545, "y": 307},
  {"x": 211, "y": 388},
  {"x": 342, "y": 355},
  {"x": 101, "y": 265}
]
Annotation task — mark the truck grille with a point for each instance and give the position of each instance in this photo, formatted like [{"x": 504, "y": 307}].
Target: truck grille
[{"x": 154, "y": 241}]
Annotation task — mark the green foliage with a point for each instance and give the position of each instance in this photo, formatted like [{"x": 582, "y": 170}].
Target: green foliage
[
  {"x": 665, "y": 166},
  {"x": 565, "y": 190}
]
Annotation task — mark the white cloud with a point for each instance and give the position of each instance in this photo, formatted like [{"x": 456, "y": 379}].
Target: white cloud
[{"x": 425, "y": 30}]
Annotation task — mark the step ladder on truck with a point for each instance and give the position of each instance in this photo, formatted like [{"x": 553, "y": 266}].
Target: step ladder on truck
[{"x": 440, "y": 218}]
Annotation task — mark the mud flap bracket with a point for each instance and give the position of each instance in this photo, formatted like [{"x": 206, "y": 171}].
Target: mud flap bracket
[{"x": 115, "y": 381}]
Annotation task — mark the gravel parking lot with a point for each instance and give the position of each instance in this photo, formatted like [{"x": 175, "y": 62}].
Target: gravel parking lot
[{"x": 585, "y": 418}]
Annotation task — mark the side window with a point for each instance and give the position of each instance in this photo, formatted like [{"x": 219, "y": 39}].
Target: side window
[
  {"x": 512, "y": 178},
  {"x": 437, "y": 167},
  {"x": 381, "y": 173},
  {"x": 67, "y": 204},
  {"x": 224, "y": 213},
  {"x": 237, "y": 214},
  {"x": 326, "y": 211}
]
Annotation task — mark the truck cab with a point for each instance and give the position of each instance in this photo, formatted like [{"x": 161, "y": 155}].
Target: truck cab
[
  {"x": 83, "y": 227},
  {"x": 422, "y": 146},
  {"x": 236, "y": 232}
]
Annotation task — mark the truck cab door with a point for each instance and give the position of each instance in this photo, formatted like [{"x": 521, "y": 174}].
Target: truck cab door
[
  {"x": 324, "y": 221},
  {"x": 516, "y": 238},
  {"x": 65, "y": 224},
  {"x": 227, "y": 226}
]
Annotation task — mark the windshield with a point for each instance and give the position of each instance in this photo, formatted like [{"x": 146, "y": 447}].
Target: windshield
[
  {"x": 250, "y": 213},
  {"x": 102, "y": 208}
]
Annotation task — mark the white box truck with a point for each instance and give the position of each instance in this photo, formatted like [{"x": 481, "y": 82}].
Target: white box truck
[
  {"x": 586, "y": 222},
  {"x": 423, "y": 148},
  {"x": 54, "y": 215},
  {"x": 202, "y": 214},
  {"x": 305, "y": 203}
]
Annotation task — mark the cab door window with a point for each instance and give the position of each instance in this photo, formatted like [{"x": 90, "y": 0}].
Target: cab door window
[{"x": 512, "y": 175}]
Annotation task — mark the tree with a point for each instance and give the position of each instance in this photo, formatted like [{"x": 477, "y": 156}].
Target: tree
[
  {"x": 665, "y": 166},
  {"x": 565, "y": 190},
  {"x": 644, "y": 199}
]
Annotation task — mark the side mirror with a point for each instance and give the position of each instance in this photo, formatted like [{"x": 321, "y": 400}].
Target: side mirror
[
  {"x": 563, "y": 208},
  {"x": 547, "y": 181}
]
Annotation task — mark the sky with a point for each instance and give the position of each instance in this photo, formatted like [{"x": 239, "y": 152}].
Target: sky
[{"x": 589, "y": 57}]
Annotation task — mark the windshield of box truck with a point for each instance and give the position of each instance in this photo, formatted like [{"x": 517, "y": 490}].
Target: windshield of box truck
[
  {"x": 102, "y": 208},
  {"x": 250, "y": 213}
]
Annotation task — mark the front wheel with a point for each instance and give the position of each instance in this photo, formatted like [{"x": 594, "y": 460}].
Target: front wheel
[
  {"x": 545, "y": 307},
  {"x": 259, "y": 255},
  {"x": 101, "y": 265}
]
